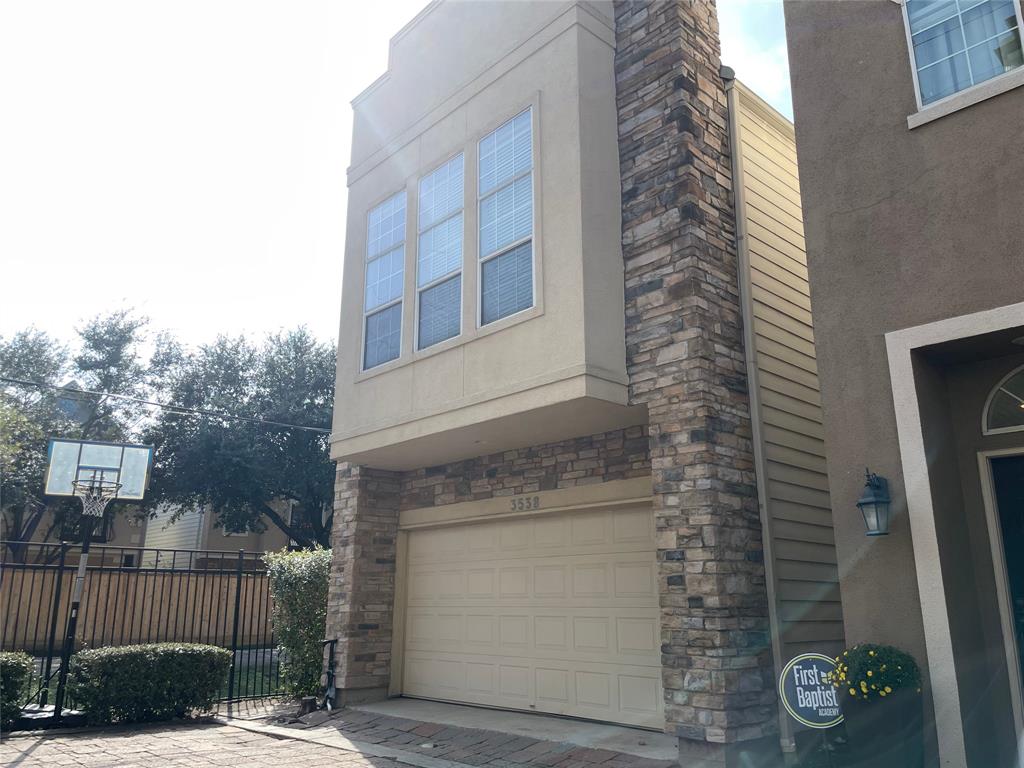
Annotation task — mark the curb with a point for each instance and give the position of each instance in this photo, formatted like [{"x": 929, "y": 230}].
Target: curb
[{"x": 337, "y": 741}]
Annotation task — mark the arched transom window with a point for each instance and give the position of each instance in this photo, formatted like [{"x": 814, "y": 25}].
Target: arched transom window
[{"x": 1004, "y": 411}]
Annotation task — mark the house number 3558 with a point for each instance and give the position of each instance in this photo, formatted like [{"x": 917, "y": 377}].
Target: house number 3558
[{"x": 523, "y": 503}]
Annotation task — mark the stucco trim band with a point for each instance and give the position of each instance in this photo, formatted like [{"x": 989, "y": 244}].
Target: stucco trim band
[
  {"x": 920, "y": 509},
  {"x": 613, "y": 493}
]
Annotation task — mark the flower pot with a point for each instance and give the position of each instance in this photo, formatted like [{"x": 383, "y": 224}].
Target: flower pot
[{"x": 885, "y": 732}]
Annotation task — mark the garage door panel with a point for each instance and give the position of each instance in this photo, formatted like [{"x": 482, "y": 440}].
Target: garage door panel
[
  {"x": 629, "y": 530},
  {"x": 554, "y": 614},
  {"x": 626, "y": 637},
  {"x": 613, "y": 579},
  {"x": 620, "y": 693}
]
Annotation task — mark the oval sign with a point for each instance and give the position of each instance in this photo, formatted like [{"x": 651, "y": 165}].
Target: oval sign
[{"x": 806, "y": 693}]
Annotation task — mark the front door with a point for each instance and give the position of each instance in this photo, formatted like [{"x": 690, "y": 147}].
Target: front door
[{"x": 1008, "y": 482}]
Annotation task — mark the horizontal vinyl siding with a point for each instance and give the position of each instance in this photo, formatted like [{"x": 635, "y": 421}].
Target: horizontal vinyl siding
[
  {"x": 183, "y": 533},
  {"x": 799, "y": 511}
]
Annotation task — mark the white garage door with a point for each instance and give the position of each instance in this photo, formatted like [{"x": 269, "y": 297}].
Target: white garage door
[{"x": 551, "y": 614}]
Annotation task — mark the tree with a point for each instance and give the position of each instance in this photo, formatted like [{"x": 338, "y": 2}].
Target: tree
[
  {"x": 243, "y": 471},
  {"x": 107, "y": 360}
]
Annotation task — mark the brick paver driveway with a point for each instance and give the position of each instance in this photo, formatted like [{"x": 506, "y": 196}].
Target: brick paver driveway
[
  {"x": 348, "y": 739},
  {"x": 194, "y": 745}
]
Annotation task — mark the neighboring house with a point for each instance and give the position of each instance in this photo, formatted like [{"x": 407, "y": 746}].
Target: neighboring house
[
  {"x": 581, "y": 467},
  {"x": 196, "y": 529},
  {"x": 114, "y": 541},
  {"x": 912, "y": 161}
]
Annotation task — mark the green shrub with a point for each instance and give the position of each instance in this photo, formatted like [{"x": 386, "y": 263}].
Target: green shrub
[
  {"x": 16, "y": 672},
  {"x": 138, "y": 683},
  {"x": 298, "y": 584},
  {"x": 868, "y": 672}
]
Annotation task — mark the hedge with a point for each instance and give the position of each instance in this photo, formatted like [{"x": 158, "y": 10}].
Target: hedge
[
  {"x": 16, "y": 671},
  {"x": 298, "y": 584},
  {"x": 139, "y": 683}
]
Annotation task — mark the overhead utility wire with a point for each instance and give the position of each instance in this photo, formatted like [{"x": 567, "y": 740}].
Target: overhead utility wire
[{"x": 172, "y": 408}]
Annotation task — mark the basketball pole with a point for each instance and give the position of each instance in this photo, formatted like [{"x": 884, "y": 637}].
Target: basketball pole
[{"x": 86, "y": 524}]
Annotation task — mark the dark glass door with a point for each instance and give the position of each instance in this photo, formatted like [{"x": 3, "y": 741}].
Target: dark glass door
[{"x": 1008, "y": 477}]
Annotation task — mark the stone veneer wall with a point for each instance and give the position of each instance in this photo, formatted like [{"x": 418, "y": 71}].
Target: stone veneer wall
[
  {"x": 362, "y": 587},
  {"x": 597, "y": 458},
  {"x": 685, "y": 361},
  {"x": 366, "y": 506}
]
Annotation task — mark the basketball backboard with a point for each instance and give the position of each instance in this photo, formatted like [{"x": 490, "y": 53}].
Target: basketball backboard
[{"x": 73, "y": 461}]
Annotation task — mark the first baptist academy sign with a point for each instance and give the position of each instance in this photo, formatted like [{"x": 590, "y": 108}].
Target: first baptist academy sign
[{"x": 806, "y": 692}]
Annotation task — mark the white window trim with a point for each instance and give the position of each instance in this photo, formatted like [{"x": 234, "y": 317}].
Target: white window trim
[
  {"x": 970, "y": 96},
  {"x": 481, "y": 260},
  {"x": 387, "y": 305},
  {"x": 988, "y": 403},
  {"x": 450, "y": 275}
]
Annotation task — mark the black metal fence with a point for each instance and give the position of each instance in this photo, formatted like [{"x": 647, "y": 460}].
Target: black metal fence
[{"x": 139, "y": 595}]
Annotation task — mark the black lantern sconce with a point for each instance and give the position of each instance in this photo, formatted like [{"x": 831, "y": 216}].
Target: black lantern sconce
[{"x": 874, "y": 504}]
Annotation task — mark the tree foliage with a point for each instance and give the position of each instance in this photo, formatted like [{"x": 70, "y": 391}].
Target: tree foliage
[
  {"x": 244, "y": 471},
  {"x": 248, "y": 474},
  {"x": 107, "y": 359}
]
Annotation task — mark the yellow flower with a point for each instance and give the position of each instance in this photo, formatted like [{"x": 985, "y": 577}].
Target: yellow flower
[
  {"x": 881, "y": 693},
  {"x": 870, "y": 673},
  {"x": 871, "y": 653},
  {"x": 864, "y": 686},
  {"x": 853, "y": 692},
  {"x": 888, "y": 689}
]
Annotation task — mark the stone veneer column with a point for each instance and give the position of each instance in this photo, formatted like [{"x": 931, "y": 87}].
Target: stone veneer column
[
  {"x": 684, "y": 348},
  {"x": 362, "y": 587}
]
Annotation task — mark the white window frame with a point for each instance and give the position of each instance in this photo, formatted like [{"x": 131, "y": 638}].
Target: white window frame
[
  {"x": 988, "y": 404},
  {"x": 972, "y": 89},
  {"x": 450, "y": 275},
  {"x": 481, "y": 260},
  {"x": 387, "y": 305}
]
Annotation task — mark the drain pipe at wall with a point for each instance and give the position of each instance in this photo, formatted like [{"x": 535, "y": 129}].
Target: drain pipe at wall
[{"x": 786, "y": 738}]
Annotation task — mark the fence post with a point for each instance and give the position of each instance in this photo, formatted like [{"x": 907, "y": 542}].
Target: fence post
[
  {"x": 234, "y": 628},
  {"x": 53, "y": 624}
]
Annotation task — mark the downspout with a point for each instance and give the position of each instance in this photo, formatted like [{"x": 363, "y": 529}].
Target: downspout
[{"x": 786, "y": 738}]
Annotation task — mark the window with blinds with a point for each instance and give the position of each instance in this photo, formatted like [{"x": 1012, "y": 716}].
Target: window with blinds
[
  {"x": 385, "y": 280},
  {"x": 439, "y": 255},
  {"x": 506, "y": 219},
  {"x": 956, "y": 44}
]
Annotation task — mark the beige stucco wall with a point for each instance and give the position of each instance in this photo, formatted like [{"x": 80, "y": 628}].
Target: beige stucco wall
[
  {"x": 904, "y": 228},
  {"x": 446, "y": 88}
]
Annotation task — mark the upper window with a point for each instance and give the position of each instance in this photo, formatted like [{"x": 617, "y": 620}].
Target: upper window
[
  {"x": 506, "y": 219},
  {"x": 439, "y": 261},
  {"x": 1004, "y": 411},
  {"x": 385, "y": 281},
  {"x": 959, "y": 43}
]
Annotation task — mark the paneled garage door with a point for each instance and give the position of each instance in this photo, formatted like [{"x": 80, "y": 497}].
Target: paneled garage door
[{"x": 553, "y": 614}]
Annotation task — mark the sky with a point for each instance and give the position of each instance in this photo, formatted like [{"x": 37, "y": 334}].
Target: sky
[{"x": 187, "y": 159}]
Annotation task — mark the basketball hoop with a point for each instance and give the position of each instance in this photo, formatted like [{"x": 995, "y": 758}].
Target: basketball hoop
[{"x": 95, "y": 495}]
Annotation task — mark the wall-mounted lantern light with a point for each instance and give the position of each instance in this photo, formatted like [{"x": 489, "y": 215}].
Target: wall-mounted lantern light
[{"x": 874, "y": 504}]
